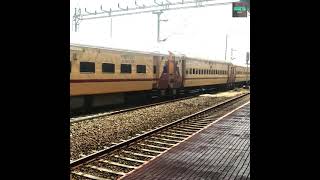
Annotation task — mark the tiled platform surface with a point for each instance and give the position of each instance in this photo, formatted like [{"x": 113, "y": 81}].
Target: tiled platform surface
[{"x": 221, "y": 151}]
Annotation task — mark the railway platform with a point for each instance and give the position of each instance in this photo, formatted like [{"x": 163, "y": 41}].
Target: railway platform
[{"x": 220, "y": 151}]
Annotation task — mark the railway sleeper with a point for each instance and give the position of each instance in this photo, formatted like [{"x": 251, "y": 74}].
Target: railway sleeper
[
  {"x": 138, "y": 154},
  {"x": 202, "y": 125},
  {"x": 174, "y": 131},
  {"x": 129, "y": 159},
  {"x": 158, "y": 142},
  {"x": 173, "y": 135},
  {"x": 168, "y": 140},
  {"x": 152, "y": 146},
  {"x": 117, "y": 164},
  {"x": 88, "y": 176},
  {"x": 189, "y": 128},
  {"x": 193, "y": 126},
  {"x": 180, "y": 129},
  {"x": 152, "y": 151},
  {"x": 106, "y": 170}
]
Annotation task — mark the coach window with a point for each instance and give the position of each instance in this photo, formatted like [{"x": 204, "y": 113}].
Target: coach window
[
  {"x": 125, "y": 68},
  {"x": 87, "y": 67},
  {"x": 154, "y": 69},
  {"x": 107, "y": 68},
  {"x": 165, "y": 69},
  {"x": 141, "y": 68},
  {"x": 193, "y": 71}
]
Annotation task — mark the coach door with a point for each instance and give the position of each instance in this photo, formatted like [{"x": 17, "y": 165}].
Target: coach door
[
  {"x": 156, "y": 71},
  {"x": 231, "y": 77},
  {"x": 171, "y": 78},
  {"x": 175, "y": 71}
]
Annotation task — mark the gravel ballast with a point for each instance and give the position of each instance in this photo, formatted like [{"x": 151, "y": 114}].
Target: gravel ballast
[{"x": 96, "y": 134}]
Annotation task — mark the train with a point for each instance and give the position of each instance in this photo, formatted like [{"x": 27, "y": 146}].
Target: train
[{"x": 101, "y": 76}]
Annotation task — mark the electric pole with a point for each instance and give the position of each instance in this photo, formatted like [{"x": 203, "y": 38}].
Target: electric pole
[
  {"x": 225, "y": 53},
  {"x": 232, "y": 53},
  {"x": 247, "y": 62},
  {"x": 110, "y": 27},
  {"x": 158, "y": 13}
]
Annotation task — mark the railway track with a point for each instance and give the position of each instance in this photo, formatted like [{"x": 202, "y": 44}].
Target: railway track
[
  {"x": 121, "y": 158},
  {"x": 88, "y": 117},
  {"x": 109, "y": 113}
]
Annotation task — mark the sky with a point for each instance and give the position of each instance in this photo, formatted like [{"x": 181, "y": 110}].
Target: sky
[{"x": 196, "y": 32}]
